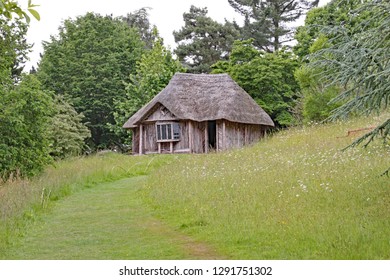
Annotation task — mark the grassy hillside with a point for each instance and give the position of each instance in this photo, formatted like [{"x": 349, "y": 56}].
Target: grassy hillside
[
  {"x": 292, "y": 196},
  {"x": 295, "y": 195}
]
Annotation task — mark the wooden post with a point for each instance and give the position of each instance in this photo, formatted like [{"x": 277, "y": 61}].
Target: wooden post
[
  {"x": 141, "y": 139},
  {"x": 217, "y": 135},
  {"x": 206, "y": 138},
  {"x": 159, "y": 147},
  {"x": 171, "y": 147},
  {"x": 246, "y": 135},
  {"x": 190, "y": 135},
  {"x": 238, "y": 135},
  {"x": 223, "y": 135},
  {"x": 133, "y": 145}
]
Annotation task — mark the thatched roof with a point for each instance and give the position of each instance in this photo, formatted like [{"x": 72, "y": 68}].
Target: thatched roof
[{"x": 201, "y": 97}]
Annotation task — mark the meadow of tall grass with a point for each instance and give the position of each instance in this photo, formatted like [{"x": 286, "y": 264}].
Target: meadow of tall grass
[
  {"x": 23, "y": 201},
  {"x": 295, "y": 195}
]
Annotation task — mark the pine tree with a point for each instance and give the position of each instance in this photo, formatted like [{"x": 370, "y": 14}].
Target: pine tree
[
  {"x": 203, "y": 41},
  {"x": 266, "y": 20}
]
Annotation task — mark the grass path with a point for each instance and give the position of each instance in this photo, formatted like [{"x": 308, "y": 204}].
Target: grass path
[{"x": 108, "y": 221}]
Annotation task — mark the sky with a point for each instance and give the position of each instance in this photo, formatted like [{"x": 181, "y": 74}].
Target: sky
[{"x": 167, "y": 15}]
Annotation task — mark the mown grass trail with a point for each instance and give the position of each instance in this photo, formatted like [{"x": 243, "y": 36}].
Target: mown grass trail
[{"x": 107, "y": 221}]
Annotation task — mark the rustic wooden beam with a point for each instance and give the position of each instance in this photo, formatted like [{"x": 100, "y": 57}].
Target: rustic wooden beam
[
  {"x": 190, "y": 135},
  {"x": 246, "y": 135},
  {"x": 223, "y": 135},
  {"x": 141, "y": 137},
  {"x": 133, "y": 145},
  {"x": 238, "y": 134},
  {"x": 206, "y": 138},
  {"x": 217, "y": 135}
]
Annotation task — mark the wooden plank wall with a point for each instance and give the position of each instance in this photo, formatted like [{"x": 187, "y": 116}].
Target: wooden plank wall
[
  {"x": 150, "y": 144},
  {"x": 237, "y": 135},
  {"x": 229, "y": 135},
  {"x": 183, "y": 144},
  {"x": 135, "y": 140},
  {"x": 198, "y": 134},
  {"x": 150, "y": 138},
  {"x": 219, "y": 135}
]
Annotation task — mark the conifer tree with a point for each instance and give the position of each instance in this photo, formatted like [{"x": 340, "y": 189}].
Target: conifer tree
[
  {"x": 266, "y": 20},
  {"x": 358, "y": 59},
  {"x": 203, "y": 41}
]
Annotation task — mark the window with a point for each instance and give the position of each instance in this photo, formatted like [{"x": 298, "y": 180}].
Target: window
[{"x": 168, "y": 132}]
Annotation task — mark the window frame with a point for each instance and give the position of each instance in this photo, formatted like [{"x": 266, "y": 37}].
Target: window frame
[{"x": 167, "y": 129}]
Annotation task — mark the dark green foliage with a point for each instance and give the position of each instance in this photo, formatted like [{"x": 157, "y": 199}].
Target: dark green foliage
[
  {"x": 358, "y": 59},
  {"x": 139, "y": 20},
  {"x": 203, "y": 41},
  {"x": 316, "y": 96},
  {"x": 24, "y": 116},
  {"x": 335, "y": 13},
  {"x": 153, "y": 73},
  {"x": 14, "y": 48},
  {"x": 88, "y": 63},
  {"x": 66, "y": 132},
  {"x": 24, "y": 108},
  {"x": 266, "y": 21},
  {"x": 267, "y": 77}
]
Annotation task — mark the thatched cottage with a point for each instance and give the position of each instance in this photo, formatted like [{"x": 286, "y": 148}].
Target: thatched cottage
[{"x": 197, "y": 113}]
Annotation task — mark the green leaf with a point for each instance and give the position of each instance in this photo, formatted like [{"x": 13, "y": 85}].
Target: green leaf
[
  {"x": 7, "y": 14},
  {"x": 26, "y": 16},
  {"x": 35, "y": 14}
]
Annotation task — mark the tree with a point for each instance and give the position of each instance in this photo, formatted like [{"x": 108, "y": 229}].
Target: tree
[
  {"x": 316, "y": 95},
  {"x": 334, "y": 13},
  {"x": 24, "y": 107},
  {"x": 203, "y": 41},
  {"x": 9, "y": 7},
  {"x": 139, "y": 20},
  {"x": 14, "y": 48},
  {"x": 89, "y": 63},
  {"x": 267, "y": 77},
  {"x": 24, "y": 115},
  {"x": 153, "y": 73},
  {"x": 66, "y": 132},
  {"x": 266, "y": 20},
  {"x": 359, "y": 60}
]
